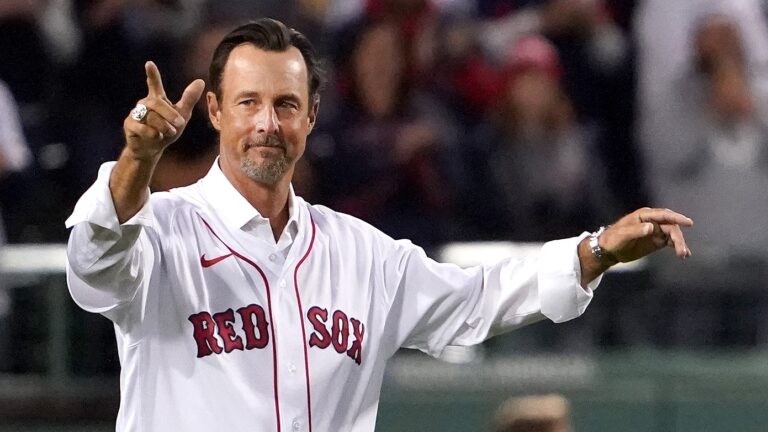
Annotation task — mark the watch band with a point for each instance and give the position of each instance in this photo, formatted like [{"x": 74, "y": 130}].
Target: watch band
[{"x": 602, "y": 255}]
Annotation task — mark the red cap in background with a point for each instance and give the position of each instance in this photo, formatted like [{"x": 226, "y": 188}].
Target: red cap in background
[{"x": 533, "y": 52}]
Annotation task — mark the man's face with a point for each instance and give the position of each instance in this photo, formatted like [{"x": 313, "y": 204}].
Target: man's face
[{"x": 264, "y": 114}]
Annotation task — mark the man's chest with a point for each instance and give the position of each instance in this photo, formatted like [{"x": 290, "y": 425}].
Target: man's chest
[{"x": 230, "y": 296}]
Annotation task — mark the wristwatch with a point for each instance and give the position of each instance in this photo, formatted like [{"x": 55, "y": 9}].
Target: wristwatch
[{"x": 603, "y": 256}]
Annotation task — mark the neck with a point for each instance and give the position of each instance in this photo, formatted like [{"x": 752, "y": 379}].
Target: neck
[{"x": 271, "y": 201}]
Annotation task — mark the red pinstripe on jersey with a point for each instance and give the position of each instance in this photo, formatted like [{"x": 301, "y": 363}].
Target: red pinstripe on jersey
[
  {"x": 301, "y": 320},
  {"x": 269, "y": 308}
]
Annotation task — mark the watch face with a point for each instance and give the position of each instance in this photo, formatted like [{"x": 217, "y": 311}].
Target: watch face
[
  {"x": 604, "y": 258},
  {"x": 594, "y": 243}
]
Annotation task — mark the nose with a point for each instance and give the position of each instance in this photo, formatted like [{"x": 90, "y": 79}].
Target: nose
[{"x": 266, "y": 120}]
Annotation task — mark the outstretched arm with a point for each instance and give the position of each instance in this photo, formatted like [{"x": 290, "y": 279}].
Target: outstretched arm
[{"x": 145, "y": 140}]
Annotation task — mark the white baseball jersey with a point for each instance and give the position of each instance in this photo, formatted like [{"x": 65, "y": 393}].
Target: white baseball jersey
[{"x": 219, "y": 327}]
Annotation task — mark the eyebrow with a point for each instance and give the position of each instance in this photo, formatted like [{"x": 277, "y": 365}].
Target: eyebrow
[
  {"x": 248, "y": 94},
  {"x": 284, "y": 96}
]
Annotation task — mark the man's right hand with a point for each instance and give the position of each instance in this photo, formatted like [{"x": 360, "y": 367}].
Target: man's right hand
[
  {"x": 145, "y": 141},
  {"x": 164, "y": 122}
]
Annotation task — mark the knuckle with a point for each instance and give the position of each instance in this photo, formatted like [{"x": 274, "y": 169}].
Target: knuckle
[
  {"x": 151, "y": 103},
  {"x": 147, "y": 102}
]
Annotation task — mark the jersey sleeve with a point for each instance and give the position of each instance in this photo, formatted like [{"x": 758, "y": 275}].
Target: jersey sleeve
[
  {"x": 435, "y": 305},
  {"x": 108, "y": 263}
]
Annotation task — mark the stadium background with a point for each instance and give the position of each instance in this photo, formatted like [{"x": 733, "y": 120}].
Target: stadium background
[{"x": 454, "y": 123}]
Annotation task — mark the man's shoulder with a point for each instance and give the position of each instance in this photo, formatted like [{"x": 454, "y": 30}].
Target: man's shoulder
[
  {"x": 356, "y": 237},
  {"x": 187, "y": 199},
  {"x": 341, "y": 224}
]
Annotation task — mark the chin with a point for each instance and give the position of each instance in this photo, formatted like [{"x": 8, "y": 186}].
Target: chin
[{"x": 269, "y": 171}]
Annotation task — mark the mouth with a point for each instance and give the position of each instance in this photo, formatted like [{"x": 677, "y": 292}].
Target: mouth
[
  {"x": 268, "y": 145},
  {"x": 267, "y": 148}
]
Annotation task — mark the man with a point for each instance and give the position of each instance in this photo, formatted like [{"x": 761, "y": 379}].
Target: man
[{"x": 238, "y": 306}]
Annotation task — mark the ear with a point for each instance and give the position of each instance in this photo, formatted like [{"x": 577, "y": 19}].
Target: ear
[
  {"x": 313, "y": 113},
  {"x": 214, "y": 113}
]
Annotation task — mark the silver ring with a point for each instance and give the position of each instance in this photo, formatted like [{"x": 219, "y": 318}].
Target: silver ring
[{"x": 139, "y": 112}]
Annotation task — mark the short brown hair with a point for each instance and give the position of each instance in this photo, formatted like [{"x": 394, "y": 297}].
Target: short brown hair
[{"x": 270, "y": 35}]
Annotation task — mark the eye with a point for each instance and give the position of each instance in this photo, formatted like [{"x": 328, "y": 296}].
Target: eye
[
  {"x": 288, "y": 104},
  {"x": 247, "y": 102}
]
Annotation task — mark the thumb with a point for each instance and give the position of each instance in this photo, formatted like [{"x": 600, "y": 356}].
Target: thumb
[{"x": 190, "y": 97}]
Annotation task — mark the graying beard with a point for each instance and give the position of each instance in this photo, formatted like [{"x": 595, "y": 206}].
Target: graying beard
[{"x": 270, "y": 172}]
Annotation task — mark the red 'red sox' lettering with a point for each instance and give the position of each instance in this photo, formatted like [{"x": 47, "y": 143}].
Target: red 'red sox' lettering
[
  {"x": 207, "y": 327},
  {"x": 339, "y": 333},
  {"x": 216, "y": 333}
]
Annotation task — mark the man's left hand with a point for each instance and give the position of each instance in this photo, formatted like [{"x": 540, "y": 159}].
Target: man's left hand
[{"x": 634, "y": 236}]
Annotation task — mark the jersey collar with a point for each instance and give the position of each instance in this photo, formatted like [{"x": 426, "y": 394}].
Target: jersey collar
[{"x": 234, "y": 209}]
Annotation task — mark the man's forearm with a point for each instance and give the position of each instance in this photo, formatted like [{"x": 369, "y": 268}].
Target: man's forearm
[{"x": 129, "y": 183}]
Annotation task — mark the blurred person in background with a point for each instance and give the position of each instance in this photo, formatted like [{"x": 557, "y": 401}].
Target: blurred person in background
[
  {"x": 394, "y": 142},
  {"x": 31, "y": 76},
  {"x": 538, "y": 413},
  {"x": 26, "y": 61},
  {"x": 532, "y": 165},
  {"x": 14, "y": 151},
  {"x": 14, "y": 157},
  {"x": 597, "y": 57},
  {"x": 703, "y": 94}
]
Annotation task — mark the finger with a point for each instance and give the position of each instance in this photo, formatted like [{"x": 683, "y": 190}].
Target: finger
[
  {"x": 154, "y": 81},
  {"x": 160, "y": 124},
  {"x": 664, "y": 216},
  {"x": 165, "y": 110},
  {"x": 141, "y": 130},
  {"x": 676, "y": 240},
  {"x": 190, "y": 97}
]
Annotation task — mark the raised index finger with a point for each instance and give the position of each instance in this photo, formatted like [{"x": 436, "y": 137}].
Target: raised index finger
[{"x": 154, "y": 82}]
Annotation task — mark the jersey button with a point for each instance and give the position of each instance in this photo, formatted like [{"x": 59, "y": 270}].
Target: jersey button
[
  {"x": 296, "y": 425},
  {"x": 272, "y": 257},
  {"x": 292, "y": 368},
  {"x": 282, "y": 283}
]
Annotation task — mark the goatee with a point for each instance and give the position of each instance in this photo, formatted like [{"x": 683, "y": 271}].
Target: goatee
[{"x": 271, "y": 169}]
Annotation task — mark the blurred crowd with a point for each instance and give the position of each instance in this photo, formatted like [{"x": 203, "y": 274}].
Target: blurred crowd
[{"x": 442, "y": 120}]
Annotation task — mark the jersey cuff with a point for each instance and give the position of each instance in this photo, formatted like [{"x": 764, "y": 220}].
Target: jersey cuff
[
  {"x": 560, "y": 292},
  {"x": 97, "y": 207}
]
